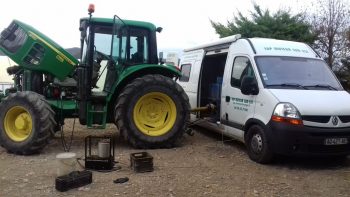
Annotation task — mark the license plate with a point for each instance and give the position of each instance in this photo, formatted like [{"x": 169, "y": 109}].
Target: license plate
[{"x": 335, "y": 141}]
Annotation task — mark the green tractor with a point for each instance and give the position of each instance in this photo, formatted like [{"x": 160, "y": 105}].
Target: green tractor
[{"x": 119, "y": 79}]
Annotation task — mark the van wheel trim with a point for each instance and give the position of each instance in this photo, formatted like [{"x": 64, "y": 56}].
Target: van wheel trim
[{"x": 256, "y": 143}]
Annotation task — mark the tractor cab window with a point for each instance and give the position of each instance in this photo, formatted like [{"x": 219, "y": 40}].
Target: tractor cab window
[
  {"x": 130, "y": 46},
  {"x": 102, "y": 43},
  {"x": 84, "y": 46},
  {"x": 138, "y": 47}
]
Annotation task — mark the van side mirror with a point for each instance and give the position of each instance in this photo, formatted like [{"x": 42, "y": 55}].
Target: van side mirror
[{"x": 249, "y": 86}]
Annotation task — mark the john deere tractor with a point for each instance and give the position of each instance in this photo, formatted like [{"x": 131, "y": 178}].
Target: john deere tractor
[{"x": 118, "y": 79}]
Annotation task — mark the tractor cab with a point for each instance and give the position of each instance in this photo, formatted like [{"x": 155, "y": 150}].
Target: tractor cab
[
  {"x": 121, "y": 43},
  {"x": 109, "y": 47}
]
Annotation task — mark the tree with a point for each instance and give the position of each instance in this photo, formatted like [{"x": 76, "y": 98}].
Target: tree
[
  {"x": 280, "y": 25},
  {"x": 343, "y": 73},
  {"x": 331, "y": 22}
]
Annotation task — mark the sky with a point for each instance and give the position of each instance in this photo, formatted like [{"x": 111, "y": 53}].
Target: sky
[{"x": 186, "y": 23}]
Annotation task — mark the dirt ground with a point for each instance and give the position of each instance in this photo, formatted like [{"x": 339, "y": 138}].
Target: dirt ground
[{"x": 202, "y": 166}]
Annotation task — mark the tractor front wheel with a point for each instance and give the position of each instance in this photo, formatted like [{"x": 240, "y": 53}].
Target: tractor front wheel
[
  {"x": 152, "y": 112},
  {"x": 26, "y": 123}
]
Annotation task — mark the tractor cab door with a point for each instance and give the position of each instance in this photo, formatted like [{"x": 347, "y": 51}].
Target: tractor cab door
[
  {"x": 96, "y": 69},
  {"x": 130, "y": 46}
]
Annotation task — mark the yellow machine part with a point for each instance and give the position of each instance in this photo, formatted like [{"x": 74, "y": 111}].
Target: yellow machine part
[
  {"x": 18, "y": 124},
  {"x": 154, "y": 114}
]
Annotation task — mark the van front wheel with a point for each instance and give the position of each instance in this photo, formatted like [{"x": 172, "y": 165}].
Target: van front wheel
[{"x": 257, "y": 145}]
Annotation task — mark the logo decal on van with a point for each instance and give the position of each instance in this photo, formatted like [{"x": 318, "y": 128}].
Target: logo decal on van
[
  {"x": 334, "y": 120},
  {"x": 241, "y": 104}
]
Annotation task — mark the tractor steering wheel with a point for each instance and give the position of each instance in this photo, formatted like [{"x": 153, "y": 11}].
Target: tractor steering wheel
[{"x": 101, "y": 56}]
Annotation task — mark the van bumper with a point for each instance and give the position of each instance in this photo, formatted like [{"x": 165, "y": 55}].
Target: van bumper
[{"x": 290, "y": 139}]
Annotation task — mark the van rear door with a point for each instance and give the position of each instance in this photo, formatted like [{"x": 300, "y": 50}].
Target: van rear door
[{"x": 190, "y": 68}]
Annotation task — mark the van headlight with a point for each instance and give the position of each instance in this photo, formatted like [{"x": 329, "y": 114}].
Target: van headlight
[{"x": 286, "y": 112}]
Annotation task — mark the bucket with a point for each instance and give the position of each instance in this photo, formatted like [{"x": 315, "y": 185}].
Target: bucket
[
  {"x": 103, "y": 149},
  {"x": 66, "y": 163}
]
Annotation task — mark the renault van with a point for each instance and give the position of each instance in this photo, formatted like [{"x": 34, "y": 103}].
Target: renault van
[{"x": 276, "y": 96}]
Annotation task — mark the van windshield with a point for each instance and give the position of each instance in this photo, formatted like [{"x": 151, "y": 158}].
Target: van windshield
[{"x": 296, "y": 73}]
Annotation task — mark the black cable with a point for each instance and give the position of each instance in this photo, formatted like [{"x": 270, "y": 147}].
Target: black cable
[
  {"x": 115, "y": 168},
  {"x": 66, "y": 147},
  {"x": 194, "y": 122}
]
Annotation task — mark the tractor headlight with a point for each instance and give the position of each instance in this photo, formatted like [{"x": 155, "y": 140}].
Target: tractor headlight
[{"x": 286, "y": 112}]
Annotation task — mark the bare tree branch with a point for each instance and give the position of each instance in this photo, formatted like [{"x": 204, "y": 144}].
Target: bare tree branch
[{"x": 330, "y": 22}]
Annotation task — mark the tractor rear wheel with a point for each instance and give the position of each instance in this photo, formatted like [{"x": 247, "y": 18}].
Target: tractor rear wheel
[
  {"x": 152, "y": 112},
  {"x": 26, "y": 123}
]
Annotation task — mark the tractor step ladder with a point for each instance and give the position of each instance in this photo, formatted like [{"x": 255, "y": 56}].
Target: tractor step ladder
[{"x": 97, "y": 111}]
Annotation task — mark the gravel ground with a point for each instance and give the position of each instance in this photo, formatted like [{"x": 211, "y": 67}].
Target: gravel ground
[{"x": 202, "y": 166}]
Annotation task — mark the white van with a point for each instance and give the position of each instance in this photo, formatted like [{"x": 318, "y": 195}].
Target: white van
[{"x": 277, "y": 97}]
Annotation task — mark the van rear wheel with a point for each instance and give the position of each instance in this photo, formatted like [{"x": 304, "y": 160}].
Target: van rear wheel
[{"x": 257, "y": 145}]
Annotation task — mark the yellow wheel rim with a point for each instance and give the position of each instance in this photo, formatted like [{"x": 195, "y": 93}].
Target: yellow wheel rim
[
  {"x": 18, "y": 124},
  {"x": 154, "y": 114}
]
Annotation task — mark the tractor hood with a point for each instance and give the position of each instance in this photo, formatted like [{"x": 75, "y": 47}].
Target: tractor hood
[
  {"x": 34, "y": 51},
  {"x": 316, "y": 102}
]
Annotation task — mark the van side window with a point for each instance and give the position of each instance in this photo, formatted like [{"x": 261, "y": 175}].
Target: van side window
[
  {"x": 185, "y": 71},
  {"x": 241, "y": 67}
]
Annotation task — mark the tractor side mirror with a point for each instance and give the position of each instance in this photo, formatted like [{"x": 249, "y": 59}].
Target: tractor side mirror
[
  {"x": 159, "y": 29},
  {"x": 249, "y": 86}
]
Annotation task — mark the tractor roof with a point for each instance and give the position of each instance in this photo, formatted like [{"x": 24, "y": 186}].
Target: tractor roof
[{"x": 143, "y": 24}]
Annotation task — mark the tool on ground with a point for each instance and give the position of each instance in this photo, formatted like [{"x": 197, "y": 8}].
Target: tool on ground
[
  {"x": 72, "y": 180},
  {"x": 121, "y": 180},
  {"x": 99, "y": 153},
  {"x": 141, "y": 162}
]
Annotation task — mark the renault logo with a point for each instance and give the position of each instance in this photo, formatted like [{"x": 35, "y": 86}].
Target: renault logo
[{"x": 334, "y": 120}]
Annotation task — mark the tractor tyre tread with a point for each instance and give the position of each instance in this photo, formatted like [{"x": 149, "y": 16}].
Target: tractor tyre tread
[
  {"x": 42, "y": 117},
  {"x": 122, "y": 116}
]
